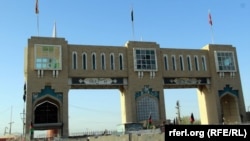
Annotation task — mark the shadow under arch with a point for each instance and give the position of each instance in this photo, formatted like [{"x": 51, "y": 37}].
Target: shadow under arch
[{"x": 46, "y": 111}]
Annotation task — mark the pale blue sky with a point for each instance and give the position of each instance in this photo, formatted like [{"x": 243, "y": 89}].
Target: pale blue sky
[{"x": 172, "y": 24}]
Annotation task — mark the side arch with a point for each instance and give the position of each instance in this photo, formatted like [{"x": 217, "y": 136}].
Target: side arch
[
  {"x": 230, "y": 113},
  {"x": 46, "y": 110}
]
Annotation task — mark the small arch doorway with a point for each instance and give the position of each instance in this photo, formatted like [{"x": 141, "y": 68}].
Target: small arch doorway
[{"x": 46, "y": 112}]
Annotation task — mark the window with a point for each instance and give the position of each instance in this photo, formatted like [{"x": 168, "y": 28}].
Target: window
[
  {"x": 74, "y": 60},
  {"x": 203, "y": 61},
  {"x": 103, "y": 61},
  {"x": 112, "y": 62},
  {"x": 48, "y": 57},
  {"x": 147, "y": 105},
  {"x": 225, "y": 61},
  {"x": 189, "y": 63},
  {"x": 93, "y": 61},
  {"x": 181, "y": 63},
  {"x": 84, "y": 61},
  {"x": 121, "y": 61},
  {"x": 166, "y": 62},
  {"x": 196, "y": 61},
  {"x": 145, "y": 59},
  {"x": 173, "y": 63}
]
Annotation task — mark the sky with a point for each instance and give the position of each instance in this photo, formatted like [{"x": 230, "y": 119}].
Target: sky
[{"x": 170, "y": 23}]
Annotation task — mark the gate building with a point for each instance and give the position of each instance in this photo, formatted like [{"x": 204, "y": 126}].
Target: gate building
[{"x": 139, "y": 70}]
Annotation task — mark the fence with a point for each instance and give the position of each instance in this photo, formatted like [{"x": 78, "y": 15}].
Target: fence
[{"x": 78, "y": 134}]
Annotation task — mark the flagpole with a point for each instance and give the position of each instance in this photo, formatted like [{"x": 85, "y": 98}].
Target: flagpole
[
  {"x": 133, "y": 32},
  {"x": 37, "y": 16},
  {"x": 212, "y": 34},
  {"x": 37, "y": 24}
]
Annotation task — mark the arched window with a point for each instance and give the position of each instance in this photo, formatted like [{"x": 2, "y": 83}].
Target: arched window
[
  {"x": 103, "y": 61},
  {"x": 93, "y": 61},
  {"x": 204, "y": 66},
  {"x": 166, "y": 62},
  {"x": 196, "y": 61},
  {"x": 181, "y": 63},
  {"x": 112, "y": 61},
  {"x": 174, "y": 62},
  {"x": 189, "y": 63},
  {"x": 121, "y": 61},
  {"x": 74, "y": 60},
  {"x": 84, "y": 61},
  {"x": 147, "y": 105}
]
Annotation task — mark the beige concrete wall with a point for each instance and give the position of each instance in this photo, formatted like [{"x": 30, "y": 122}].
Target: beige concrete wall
[
  {"x": 36, "y": 83},
  {"x": 126, "y": 137},
  {"x": 132, "y": 137},
  {"x": 208, "y": 97}
]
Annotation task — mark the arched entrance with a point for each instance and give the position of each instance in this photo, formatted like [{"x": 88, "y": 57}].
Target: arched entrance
[
  {"x": 46, "y": 112},
  {"x": 229, "y": 109},
  {"x": 230, "y": 113}
]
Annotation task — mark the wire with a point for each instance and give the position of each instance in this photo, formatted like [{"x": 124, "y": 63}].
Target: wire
[{"x": 93, "y": 110}]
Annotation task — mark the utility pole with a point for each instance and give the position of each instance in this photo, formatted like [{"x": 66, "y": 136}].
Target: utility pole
[
  {"x": 11, "y": 122},
  {"x": 178, "y": 113},
  {"x": 23, "y": 120}
]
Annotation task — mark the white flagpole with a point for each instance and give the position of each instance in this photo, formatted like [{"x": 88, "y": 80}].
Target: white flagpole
[
  {"x": 37, "y": 24},
  {"x": 212, "y": 34}
]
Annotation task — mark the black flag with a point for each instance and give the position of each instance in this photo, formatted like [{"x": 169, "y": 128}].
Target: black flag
[
  {"x": 24, "y": 92},
  {"x": 192, "y": 118},
  {"x": 132, "y": 15}
]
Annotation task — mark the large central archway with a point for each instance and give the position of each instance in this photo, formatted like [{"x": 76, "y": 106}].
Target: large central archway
[
  {"x": 187, "y": 100},
  {"x": 93, "y": 110}
]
